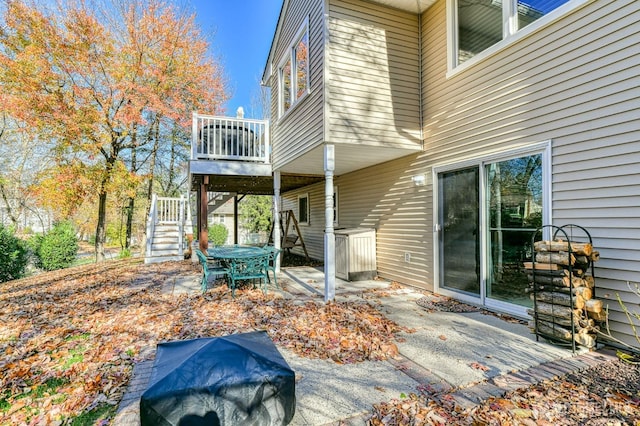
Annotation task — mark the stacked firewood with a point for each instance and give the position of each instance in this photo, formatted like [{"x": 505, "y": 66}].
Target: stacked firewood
[{"x": 562, "y": 286}]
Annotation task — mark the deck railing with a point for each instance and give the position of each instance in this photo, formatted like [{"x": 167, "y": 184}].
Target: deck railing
[{"x": 227, "y": 138}]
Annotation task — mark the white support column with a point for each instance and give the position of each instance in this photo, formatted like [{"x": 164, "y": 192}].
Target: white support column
[
  {"x": 277, "y": 241},
  {"x": 329, "y": 236}
]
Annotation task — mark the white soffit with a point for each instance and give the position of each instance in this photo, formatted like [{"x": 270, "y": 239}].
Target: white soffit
[{"x": 414, "y": 6}]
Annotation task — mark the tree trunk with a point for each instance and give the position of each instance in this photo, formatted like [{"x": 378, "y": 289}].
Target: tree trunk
[
  {"x": 101, "y": 230},
  {"x": 154, "y": 132},
  {"x": 12, "y": 216},
  {"x": 130, "y": 208},
  {"x": 132, "y": 200},
  {"x": 172, "y": 161}
]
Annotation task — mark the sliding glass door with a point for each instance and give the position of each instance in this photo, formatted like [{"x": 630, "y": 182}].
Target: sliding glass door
[
  {"x": 514, "y": 211},
  {"x": 487, "y": 213},
  {"x": 459, "y": 219}
]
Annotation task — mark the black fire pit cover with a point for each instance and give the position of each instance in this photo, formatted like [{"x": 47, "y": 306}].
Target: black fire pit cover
[{"x": 239, "y": 379}]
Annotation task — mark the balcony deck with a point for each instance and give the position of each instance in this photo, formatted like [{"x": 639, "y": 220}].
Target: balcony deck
[
  {"x": 235, "y": 154},
  {"x": 226, "y": 138}
]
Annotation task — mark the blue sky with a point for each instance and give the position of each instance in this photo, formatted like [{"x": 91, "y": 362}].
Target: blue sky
[{"x": 240, "y": 34}]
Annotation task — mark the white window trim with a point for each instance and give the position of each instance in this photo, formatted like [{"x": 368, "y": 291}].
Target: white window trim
[
  {"x": 543, "y": 148},
  {"x": 308, "y": 221},
  {"x": 290, "y": 54},
  {"x": 511, "y": 36}
]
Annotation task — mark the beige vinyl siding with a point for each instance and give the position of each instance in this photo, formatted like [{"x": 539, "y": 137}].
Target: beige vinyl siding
[
  {"x": 313, "y": 232},
  {"x": 301, "y": 128},
  {"x": 382, "y": 197},
  {"x": 575, "y": 82},
  {"x": 373, "y": 83}
]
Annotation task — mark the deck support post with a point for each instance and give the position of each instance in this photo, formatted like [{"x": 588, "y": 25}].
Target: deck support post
[
  {"x": 235, "y": 218},
  {"x": 203, "y": 213},
  {"x": 277, "y": 241},
  {"x": 329, "y": 236}
]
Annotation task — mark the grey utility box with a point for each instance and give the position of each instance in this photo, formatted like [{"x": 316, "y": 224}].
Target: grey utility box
[{"x": 356, "y": 254}]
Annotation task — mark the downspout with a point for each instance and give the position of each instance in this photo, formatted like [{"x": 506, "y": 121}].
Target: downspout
[{"x": 420, "y": 81}]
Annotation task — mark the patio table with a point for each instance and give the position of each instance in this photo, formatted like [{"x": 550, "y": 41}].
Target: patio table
[
  {"x": 235, "y": 252},
  {"x": 244, "y": 262}
]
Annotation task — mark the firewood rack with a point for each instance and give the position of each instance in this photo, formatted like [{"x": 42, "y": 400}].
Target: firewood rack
[{"x": 561, "y": 279}]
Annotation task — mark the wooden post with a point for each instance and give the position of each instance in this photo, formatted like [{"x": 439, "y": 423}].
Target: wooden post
[
  {"x": 203, "y": 232},
  {"x": 235, "y": 218}
]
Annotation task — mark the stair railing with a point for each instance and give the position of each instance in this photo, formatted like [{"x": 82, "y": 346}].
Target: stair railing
[
  {"x": 181, "y": 209},
  {"x": 167, "y": 210},
  {"x": 151, "y": 224}
]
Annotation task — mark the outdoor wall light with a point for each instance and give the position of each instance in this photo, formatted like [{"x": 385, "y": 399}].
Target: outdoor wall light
[{"x": 419, "y": 180}]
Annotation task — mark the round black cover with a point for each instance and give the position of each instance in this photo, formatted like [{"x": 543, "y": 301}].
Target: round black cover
[{"x": 239, "y": 379}]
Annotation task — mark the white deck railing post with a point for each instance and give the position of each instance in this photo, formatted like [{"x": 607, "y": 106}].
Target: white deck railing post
[
  {"x": 181, "y": 227},
  {"x": 151, "y": 224}
]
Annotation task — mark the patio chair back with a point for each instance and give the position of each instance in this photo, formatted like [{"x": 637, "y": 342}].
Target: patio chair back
[
  {"x": 271, "y": 263},
  {"x": 247, "y": 268},
  {"x": 208, "y": 268}
]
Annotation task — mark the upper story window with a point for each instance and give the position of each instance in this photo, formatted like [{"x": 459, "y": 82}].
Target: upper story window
[
  {"x": 293, "y": 72},
  {"x": 482, "y": 24}
]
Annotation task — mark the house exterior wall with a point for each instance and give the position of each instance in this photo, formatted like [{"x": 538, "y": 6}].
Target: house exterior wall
[
  {"x": 301, "y": 128},
  {"x": 313, "y": 232},
  {"x": 576, "y": 83},
  {"x": 372, "y": 81}
]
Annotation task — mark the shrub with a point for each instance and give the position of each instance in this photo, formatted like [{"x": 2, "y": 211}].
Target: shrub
[
  {"x": 57, "y": 249},
  {"x": 124, "y": 253},
  {"x": 13, "y": 255},
  {"x": 218, "y": 234}
]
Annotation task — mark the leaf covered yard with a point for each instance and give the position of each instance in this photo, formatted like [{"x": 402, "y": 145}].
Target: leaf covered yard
[{"x": 69, "y": 339}]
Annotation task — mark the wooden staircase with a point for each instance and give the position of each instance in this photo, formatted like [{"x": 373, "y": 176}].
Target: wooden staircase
[
  {"x": 168, "y": 223},
  {"x": 165, "y": 244}
]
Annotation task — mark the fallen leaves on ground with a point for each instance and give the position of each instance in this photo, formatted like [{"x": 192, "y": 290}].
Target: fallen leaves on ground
[
  {"x": 69, "y": 339},
  {"x": 435, "y": 302},
  {"x": 478, "y": 366},
  {"x": 608, "y": 394},
  {"x": 446, "y": 304}
]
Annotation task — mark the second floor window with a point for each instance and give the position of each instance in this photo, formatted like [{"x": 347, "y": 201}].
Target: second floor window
[
  {"x": 293, "y": 72},
  {"x": 483, "y": 23}
]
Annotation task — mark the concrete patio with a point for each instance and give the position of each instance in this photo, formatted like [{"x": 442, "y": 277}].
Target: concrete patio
[{"x": 473, "y": 355}]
